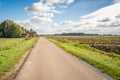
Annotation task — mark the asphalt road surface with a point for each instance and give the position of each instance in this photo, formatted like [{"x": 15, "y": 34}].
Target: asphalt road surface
[{"x": 48, "y": 62}]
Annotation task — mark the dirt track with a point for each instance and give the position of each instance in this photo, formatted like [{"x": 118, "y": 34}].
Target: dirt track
[{"x": 49, "y": 62}]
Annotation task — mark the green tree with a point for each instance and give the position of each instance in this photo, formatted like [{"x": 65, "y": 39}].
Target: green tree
[
  {"x": 13, "y": 31},
  {"x": 9, "y": 29}
]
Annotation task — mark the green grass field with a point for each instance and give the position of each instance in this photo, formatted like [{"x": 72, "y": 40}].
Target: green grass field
[
  {"x": 11, "y": 50},
  {"x": 107, "y": 62}
]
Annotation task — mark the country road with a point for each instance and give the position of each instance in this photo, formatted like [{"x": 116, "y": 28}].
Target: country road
[{"x": 48, "y": 62}]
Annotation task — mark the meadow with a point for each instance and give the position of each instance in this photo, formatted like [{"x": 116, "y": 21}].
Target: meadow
[
  {"x": 106, "y": 57},
  {"x": 11, "y": 50}
]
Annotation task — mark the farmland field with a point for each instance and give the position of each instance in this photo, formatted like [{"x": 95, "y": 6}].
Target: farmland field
[
  {"x": 105, "y": 43},
  {"x": 103, "y": 52},
  {"x": 11, "y": 50}
]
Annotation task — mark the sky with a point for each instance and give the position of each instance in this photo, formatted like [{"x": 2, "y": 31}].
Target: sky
[{"x": 64, "y": 16}]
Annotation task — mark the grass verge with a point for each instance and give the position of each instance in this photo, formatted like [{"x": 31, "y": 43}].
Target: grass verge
[
  {"x": 107, "y": 64},
  {"x": 12, "y": 50}
]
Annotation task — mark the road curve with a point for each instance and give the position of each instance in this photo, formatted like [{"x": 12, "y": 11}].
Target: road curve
[{"x": 48, "y": 62}]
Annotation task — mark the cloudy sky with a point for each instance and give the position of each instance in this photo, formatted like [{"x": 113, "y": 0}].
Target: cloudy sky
[{"x": 58, "y": 16}]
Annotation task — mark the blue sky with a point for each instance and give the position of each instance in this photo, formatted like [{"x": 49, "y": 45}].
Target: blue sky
[
  {"x": 82, "y": 7},
  {"x": 31, "y": 12},
  {"x": 14, "y": 9}
]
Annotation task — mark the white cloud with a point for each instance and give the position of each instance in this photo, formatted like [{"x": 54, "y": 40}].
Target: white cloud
[
  {"x": 55, "y": 1},
  {"x": 102, "y": 21},
  {"x": 40, "y": 7},
  {"x": 37, "y": 19},
  {"x": 107, "y": 17},
  {"x": 110, "y": 11},
  {"x": 116, "y": 1},
  {"x": 42, "y": 13},
  {"x": 70, "y": 1},
  {"x": 59, "y": 1}
]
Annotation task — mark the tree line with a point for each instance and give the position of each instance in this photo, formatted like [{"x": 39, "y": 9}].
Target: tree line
[
  {"x": 83, "y": 34},
  {"x": 9, "y": 29},
  {"x": 76, "y": 34}
]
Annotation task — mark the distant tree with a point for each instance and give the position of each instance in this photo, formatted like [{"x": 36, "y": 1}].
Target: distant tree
[
  {"x": 76, "y": 34},
  {"x": 13, "y": 31},
  {"x": 32, "y": 32},
  {"x": 1, "y": 34},
  {"x": 9, "y": 29}
]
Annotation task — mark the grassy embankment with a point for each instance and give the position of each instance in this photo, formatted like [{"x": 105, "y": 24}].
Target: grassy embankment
[
  {"x": 11, "y": 50},
  {"x": 106, "y": 62}
]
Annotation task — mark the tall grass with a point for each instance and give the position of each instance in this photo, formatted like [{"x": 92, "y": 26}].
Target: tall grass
[
  {"x": 104, "y": 62},
  {"x": 12, "y": 50}
]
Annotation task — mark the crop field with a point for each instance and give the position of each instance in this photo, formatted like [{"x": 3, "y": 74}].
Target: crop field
[
  {"x": 105, "y": 43},
  {"x": 11, "y": 50},
  {"x": 103, "y": 52}
]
